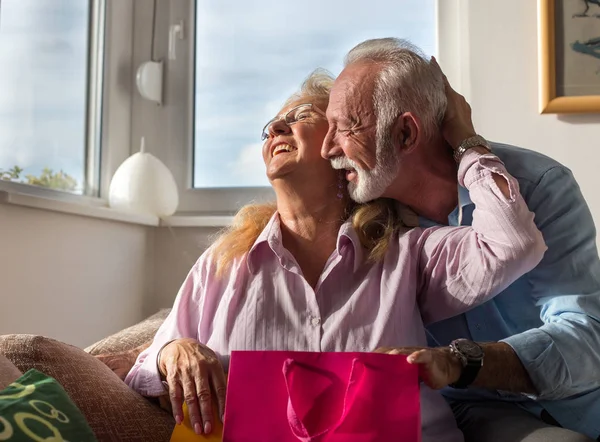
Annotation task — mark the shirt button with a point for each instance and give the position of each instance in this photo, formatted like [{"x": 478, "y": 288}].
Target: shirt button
[
  {"x": 315, "y": 322},
  {"x": 478, "y": 326}
]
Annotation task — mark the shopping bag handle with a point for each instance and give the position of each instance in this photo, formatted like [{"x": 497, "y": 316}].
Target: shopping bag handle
[{"x": 357, "y": 372}]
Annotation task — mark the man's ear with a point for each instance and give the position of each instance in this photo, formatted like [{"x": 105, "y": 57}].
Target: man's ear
[{"x": 406, "y": 132}]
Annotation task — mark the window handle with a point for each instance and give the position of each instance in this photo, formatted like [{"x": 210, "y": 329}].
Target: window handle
[{"x": 176, "y": 32}]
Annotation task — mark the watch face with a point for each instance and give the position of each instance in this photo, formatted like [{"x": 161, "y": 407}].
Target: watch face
[{"x": 469, "y": 348}]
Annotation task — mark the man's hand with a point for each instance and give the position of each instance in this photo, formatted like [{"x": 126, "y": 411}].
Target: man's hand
[
  {"x": 438, "y": 367},
  {"x": 457, "y": 125},
  {"x": 193, "y": 371}
]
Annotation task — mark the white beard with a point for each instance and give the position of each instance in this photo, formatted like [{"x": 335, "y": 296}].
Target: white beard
[{"x": 370, "y": 184}]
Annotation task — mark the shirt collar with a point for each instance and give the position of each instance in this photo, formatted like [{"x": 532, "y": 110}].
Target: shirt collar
[
  {"x": 346, "y": 235},
  {"x": 411, "y": 219},
  {"x": 271, "y": 236},
  {"x": 464, "y": 200}
]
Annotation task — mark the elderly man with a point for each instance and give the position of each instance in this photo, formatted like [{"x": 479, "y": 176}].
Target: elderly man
[{"x": 534, "y": 367}]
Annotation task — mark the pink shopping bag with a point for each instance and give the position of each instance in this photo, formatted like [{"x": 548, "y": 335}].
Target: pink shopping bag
[{"x": 285, "y": 396}]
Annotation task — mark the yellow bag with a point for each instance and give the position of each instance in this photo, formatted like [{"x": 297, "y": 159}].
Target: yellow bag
[{"x": 185, "y": 432}]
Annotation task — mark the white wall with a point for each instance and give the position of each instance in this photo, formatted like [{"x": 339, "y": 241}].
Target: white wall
[
  {"x": 503, "y": 90},
  {"x": 72, "y": 278}
]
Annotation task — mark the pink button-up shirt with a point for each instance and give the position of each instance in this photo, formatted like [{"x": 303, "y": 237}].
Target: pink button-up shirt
[{"x": 427, "y": 275}]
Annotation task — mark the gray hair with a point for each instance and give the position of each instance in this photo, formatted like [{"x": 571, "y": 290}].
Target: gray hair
[
  {"x": 406, "y": 82},
  {"x": 317, "y": 85}
]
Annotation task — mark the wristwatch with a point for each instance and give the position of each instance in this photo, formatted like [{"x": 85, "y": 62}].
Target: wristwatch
[
  {"x": 474, "y": 141},
  {"x": 470, "y": 354}
]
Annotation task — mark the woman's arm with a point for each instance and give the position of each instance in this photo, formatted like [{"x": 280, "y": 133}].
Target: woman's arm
[
  {"x": 178, "y": 362},
  {"x": 182, "y": 322},
  {"x": 462, "y": 267}
]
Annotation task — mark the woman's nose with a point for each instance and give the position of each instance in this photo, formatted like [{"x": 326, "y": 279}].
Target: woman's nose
[{"x": 279, "y": 127}]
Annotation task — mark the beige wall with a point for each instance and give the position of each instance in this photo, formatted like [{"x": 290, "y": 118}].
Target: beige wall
[
  {"x": 503, "y": 91},
  {"x": 72, "y": 278},
  {"x": 177, "y": 250}
]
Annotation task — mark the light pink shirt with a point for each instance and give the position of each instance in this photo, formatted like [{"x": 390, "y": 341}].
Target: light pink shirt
[{"x": 427, "y": 275}]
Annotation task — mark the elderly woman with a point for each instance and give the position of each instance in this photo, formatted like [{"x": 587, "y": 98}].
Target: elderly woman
[{"x": 314, "y": 272}]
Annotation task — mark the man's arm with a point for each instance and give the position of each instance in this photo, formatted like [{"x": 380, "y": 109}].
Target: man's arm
[
  {"x": 438, "y": 367},
  {"x": 503, "y": 370},
  {"x": 561, "y": 357}
]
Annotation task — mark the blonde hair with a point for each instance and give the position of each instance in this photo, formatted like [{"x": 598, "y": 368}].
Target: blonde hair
[
  {"x": 317, "y": 86},
  {"x": 375, "y": 223}
]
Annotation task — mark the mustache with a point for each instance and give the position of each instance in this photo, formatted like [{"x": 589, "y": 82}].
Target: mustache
[{"x": 343, "y": 163}]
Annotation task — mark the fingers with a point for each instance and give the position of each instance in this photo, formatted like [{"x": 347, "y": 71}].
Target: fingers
[
  {"x": 204, "y": 402},
  {"x": 420, "y": 357},
  {"x": 219, "y": 383},
  {"x": 438, "y": 68},
  {"x": 176, "y": 398},
  {"x": 397, "y": 351},
  {"x": 191, "y": 399}
]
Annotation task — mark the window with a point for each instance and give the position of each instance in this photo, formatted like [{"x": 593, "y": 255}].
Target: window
[
  {"x": 49, "y": 81},
  {"x": 250, "y": 56}
]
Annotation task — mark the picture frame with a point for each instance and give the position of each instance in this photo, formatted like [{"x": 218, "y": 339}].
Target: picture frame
[{"x": 585, "y": 52}]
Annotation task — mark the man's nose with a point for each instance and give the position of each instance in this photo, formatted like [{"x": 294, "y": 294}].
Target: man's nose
[{"x": 331, "y": 147}]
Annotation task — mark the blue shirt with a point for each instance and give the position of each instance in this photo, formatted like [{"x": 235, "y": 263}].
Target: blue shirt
[{"x": 551, "y": 315}]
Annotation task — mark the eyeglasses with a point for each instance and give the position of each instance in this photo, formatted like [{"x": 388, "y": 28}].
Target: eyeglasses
[{"x": 293, "y": 116}]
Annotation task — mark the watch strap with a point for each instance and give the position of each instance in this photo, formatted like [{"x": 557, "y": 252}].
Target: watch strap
[
  {"x": 468, "y": 375},
  {"x": 469, "y": 143}
]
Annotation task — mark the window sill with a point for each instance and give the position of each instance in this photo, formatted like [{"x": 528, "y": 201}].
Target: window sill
[
  {"x": 73, "y": 207},
  {"x": 196, "y": 221},
  {"x": 98, "y": 209}
]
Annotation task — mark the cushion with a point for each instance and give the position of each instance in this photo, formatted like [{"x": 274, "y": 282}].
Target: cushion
[
  {"x": 131, "y": 337},
  {"x": 36, "y": 407},
  {"x": 113, "y": 410}
]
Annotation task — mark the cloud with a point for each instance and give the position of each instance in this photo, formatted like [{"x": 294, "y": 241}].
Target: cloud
[{"x": 249, "y": 167}]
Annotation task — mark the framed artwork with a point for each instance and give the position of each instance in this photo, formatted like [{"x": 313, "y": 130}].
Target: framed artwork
[{"x": 569, "y": 56}]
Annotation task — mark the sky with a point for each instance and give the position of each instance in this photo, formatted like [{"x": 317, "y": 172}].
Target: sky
[
  {"x": 250, "y": 56},
  {"x": 43, "y": 52}
]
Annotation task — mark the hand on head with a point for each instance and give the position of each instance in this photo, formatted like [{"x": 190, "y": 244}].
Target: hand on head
[
  {"x": 457, "y": 125},
  {"x": 193, "y": 372}
]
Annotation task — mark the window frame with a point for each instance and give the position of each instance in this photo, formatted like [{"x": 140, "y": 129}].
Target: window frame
[
  {"x": 106, "y": 140},
  {"x": 169, "y": 128}
]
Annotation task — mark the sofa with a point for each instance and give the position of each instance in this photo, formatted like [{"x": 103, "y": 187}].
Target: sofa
[{"x": 112, "y": 409}]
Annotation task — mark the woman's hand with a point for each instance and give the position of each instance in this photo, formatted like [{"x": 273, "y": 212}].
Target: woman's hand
[
  {"x": 120, "y": 363},
  {"x": 457, "y": 125},
  {"x": 8, "y": 372},
  {"x": 438, "y": 367},
  {"x": 192, "y": 370}
]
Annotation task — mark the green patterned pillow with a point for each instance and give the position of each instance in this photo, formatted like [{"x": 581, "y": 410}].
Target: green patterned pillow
[{"x": 36, "y": 408}]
